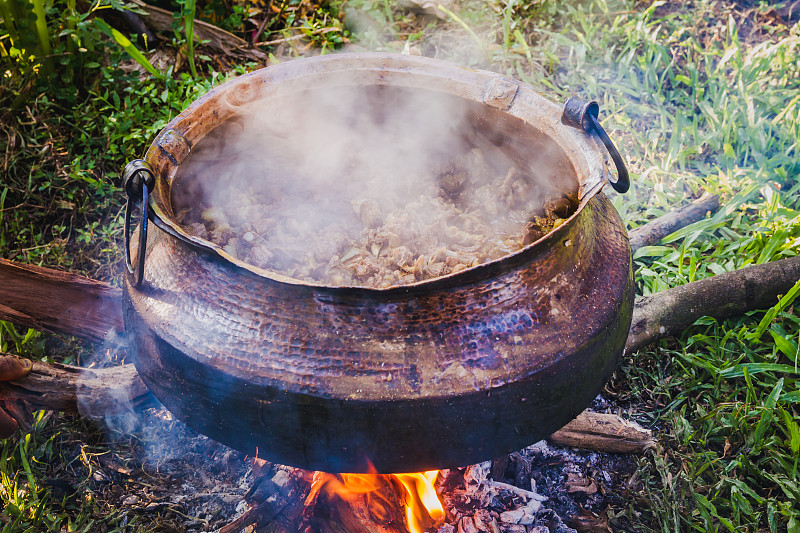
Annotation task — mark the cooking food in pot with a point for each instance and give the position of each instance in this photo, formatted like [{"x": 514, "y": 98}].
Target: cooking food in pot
[{"x": 357, "y": 222}]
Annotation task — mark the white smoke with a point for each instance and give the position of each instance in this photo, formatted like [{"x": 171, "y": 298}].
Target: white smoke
[{"x": 330, "y": 165}]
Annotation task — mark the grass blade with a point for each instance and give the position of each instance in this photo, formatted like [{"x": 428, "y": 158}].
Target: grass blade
[
  {"x": 791, "y": 397},
  {"x": 785, "y": 300},
  {"x": 188, "y": 25},
  {"x": 465, "y": 26},
  {"x": 756, "y": 368},
  {"x": 128, "y": 46}
]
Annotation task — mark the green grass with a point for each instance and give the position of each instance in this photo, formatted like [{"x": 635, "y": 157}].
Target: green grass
[
  {"x": 61, "y": 205},
  {"x": 694, "y": 107},
  {"x": 46, "y": 485},
  {"x": 696, "y": 100}
]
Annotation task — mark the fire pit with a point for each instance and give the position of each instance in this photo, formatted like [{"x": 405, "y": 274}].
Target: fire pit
[{"x": 442, "y": 372}]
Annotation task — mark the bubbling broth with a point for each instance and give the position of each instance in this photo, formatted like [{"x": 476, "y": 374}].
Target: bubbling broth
[{"x": 373, "y": 187}]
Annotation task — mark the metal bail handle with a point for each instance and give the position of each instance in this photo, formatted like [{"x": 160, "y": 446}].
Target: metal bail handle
[
  {"x": 138, "y": 180},
  {"x": 581, "y": 114}
]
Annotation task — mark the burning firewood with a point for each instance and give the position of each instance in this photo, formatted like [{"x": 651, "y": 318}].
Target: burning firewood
[
  {"x": 289, "y": 500},
  {"x": 378, "y": 511}
]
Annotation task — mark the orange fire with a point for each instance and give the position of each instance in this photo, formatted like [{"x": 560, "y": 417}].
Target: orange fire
[
  {"x": 417, "y": 494},
  {"x": 419, "y": 490}
]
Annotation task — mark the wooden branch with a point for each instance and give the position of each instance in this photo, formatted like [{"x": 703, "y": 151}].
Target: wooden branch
[
  {"x": 88, "y": 391},
  {"x": 655, "y": 230},
  {"x": 160, "y": 20},
  {"x": 604, "y": 433},
  {"x": 725, "y": 295},
  {"x": 58, "y": 302}
]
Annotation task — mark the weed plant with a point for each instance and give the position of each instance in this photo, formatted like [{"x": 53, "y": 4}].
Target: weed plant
[{"x": 698, "y": 96}]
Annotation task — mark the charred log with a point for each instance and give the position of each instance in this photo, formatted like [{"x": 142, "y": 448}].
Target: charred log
[{"x": 277, "y": 501}]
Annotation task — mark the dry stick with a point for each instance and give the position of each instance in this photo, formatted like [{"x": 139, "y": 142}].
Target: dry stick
[
  {"x": 655, "y": 230},
  {"x": 522, "y": 492},
  {"x": 160, "y": 20},
  {"x": 262, "y": 26},
  {"x": 604, "y": 433}
]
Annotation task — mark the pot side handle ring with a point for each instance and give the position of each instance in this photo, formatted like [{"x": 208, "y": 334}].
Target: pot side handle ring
[
  {"x": 581, "y": 114},
  {"x": 138, "y": 180}
]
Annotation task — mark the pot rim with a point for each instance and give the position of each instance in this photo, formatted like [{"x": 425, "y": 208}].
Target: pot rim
[{"x": 174, "y": 143}]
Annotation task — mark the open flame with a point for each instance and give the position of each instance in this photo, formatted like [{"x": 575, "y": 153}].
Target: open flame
[{"x": 415, "y": 492}]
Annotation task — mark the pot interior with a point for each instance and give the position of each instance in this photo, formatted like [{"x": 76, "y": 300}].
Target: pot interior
[{"x": 327, "y": 166}]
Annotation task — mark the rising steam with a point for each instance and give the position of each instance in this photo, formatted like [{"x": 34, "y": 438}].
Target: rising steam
[{"x": 370, "y": 186}]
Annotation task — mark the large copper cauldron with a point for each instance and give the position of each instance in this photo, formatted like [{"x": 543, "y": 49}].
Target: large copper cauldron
[{"x": 435, "y": 374}]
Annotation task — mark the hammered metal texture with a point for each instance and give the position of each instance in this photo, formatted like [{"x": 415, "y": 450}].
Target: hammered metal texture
[{"x": 446, "y": 374}]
